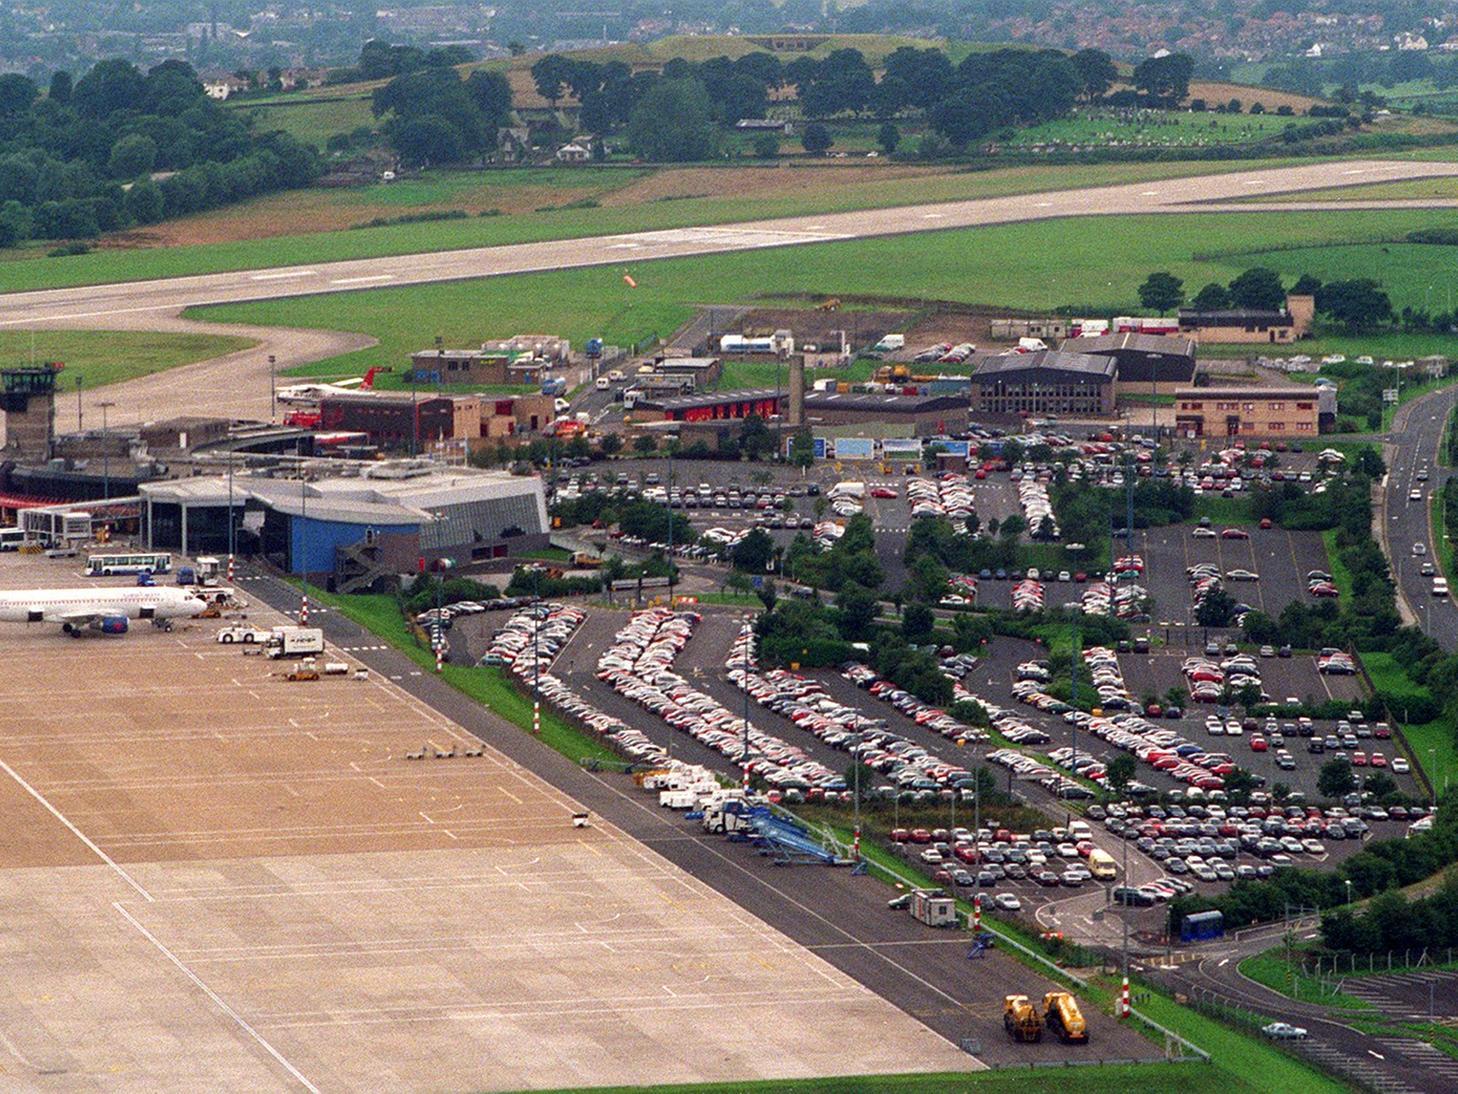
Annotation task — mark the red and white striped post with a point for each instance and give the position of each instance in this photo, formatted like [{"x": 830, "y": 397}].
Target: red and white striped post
[
  {"x": 856, "y": 844},
  {"x": 230, "y": 569},
  {"x": 439, "y": 658},
  {"x": 536, "y": 717},
  {"x": 304, "y": 609},
  {"x": 976, "y": 912},
  {"x": 1124, "y": 999},
  {"x": 746, "y": 778}
]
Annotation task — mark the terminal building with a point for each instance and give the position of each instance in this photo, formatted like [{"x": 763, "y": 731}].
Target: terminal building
[
  {"x": 1046, "y": 382},
  {"x": 347, "y": 524}
]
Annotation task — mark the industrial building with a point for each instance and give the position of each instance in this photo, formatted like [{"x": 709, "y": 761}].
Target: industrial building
[
  {"x": 923, "y": 415},
  {"x": 1236, "y": 325},
  {"x": 1046, "y": 382},
  {"x": 1295, "y": 412},
  {"x": 1144, "y": 364},
  {"x": 398, "y": 422},
  {"x": 347, "y": 524},
  {"x": 708, "y": 406},
  {"x": 704, "y": 371}
]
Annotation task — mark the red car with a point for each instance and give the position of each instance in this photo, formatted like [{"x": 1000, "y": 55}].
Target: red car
[
  {"x": 980, "y": 473},
  {"x": 1359, "y": 759},
  {"x": 1235, "y": 533},
  {"x": 1258, "y": 744},
  {"x": 882, "y": 492},
  {"x": 1322, "y": 589},
  {"x": 1265, "y": 522},
  {"x": 920, "y": 835},
  {"x": 1379, "y": 760}
]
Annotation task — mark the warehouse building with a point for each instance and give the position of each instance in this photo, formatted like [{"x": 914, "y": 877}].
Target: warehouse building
[
  {"x": 396, "y": 422},
  {"x": 922, "y": 415},
  {"x": 1144, "y": 364},
  {"x": 1042, "y": 383},
  {"x": 1294, "y": 412},
  {"x": 350, "y": 517}
]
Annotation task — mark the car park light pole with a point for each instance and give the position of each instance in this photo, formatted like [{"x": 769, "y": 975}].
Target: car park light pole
[
  {"x": 272, "y": 388},
  {"x": 536, "y": 662},
  {"x": 745, "y": 689}
]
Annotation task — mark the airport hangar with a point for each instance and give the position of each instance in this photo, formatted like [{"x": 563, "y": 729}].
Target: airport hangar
[{"x": 349, "y": 524}]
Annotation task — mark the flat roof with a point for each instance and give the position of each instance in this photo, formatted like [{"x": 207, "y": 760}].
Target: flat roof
[
  {"x": 717, "y": 398},
  {"x": 1233, "y": 314},
  {"x": 887, "y": 402},
  {"x": 1246, "y": 392}
]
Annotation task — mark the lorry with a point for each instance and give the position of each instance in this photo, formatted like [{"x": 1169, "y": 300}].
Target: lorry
[
  {"x": 1021, "y": 1020},
  {"x": 295, "y": 642},
  {"x": 585, "y": 560},
  {"x": 1060, "y": 1011}
]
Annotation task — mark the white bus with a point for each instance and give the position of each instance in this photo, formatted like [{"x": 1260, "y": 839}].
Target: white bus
[
  {"x": 11, "y": 538},
  {"x": 106, "y": 565}
]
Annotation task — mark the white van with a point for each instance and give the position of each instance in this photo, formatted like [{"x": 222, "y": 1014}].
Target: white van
[
  {"x": 602, "y": 383},
  {"x": 1440, "y": 586}
]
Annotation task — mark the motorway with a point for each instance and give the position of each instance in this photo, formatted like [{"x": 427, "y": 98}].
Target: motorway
[
  {"x": 1412, "y": 445},
  {"x": 136, "y": 304}
]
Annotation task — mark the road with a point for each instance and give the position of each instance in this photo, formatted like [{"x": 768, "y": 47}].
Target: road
[
  {"x": 134, "y": 302},
  {"x": 1412, "y": 446}
]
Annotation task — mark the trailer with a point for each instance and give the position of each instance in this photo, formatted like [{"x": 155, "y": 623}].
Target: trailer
[
  {"x": 295, "y": 642},
  {"x": 1064, "y": 1018},
  {"x": 934, "y": 908},
  {"x": 1021, "y": 1019}
]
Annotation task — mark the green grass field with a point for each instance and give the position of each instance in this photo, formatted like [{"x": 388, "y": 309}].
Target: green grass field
[
  {"x": 1146, "y": 129},
  {"x": 1375, "y": 191},
  {"x": 27, "y": 268},
  {"x": 312, "y": 120},
  {"x": 1061, "y": 262},
  {"x": 1434, "y": 747},
  {"x": 1114, "y": 1079},
  {"x": 1272, "y": 970},
  {"x": 108, "y": 357}
]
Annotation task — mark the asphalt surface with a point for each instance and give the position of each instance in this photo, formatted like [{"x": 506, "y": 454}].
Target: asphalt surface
[
  {"x": 842, "y": 918},
  {"x": 1412, "y": 445},
  {"x": 108, "y": 304}
]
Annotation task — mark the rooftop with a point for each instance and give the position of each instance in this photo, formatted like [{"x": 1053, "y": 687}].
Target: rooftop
[
  {"x": 1252, "y": 392},
  {"x": 1145, "y": 343},
  {"x": 1057, "y": 360}
]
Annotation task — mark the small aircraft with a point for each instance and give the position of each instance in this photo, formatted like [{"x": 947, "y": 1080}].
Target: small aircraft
[
  {"x": 312, "y": 393},
  {"x": 105, "y": 610}
]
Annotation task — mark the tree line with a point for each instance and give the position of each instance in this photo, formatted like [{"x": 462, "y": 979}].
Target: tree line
[
  {"x": 79, "y": 159},
  {"x": 1358, "y": 304}
]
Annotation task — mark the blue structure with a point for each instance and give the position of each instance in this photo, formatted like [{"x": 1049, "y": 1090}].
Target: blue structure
[{"x": 1202, "y": 926}]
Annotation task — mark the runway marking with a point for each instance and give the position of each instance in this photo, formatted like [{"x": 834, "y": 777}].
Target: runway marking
[
  {"x": 282, "y": 275},
  {"x": 80, "y": 835},
  {"x": 361, "y": 280},
  {"x": 217, "y": 999}
]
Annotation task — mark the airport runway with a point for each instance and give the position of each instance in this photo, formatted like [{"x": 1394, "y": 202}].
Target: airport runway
[{"x": 157, "y": 304}]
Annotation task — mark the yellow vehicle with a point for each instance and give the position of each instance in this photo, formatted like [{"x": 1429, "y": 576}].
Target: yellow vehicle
[
  {"x": 1101, "y": 865},
  {"x": 583, "y": 560},
  {"x": 1020, "y": 1019},
  {"x": 1060, "y": 1011}
]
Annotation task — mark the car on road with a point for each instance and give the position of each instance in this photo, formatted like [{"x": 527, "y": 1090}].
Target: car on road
[
  {"x": 1414, "y": 494},
  {"x": 1419, "y": 549},
  {"x": 1400, "y": 766},
  {"x": 1284, "y": 1031}
]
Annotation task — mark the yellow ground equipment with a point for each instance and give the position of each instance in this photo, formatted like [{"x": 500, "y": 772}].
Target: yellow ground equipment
[
  {"x": 1060, "y": 1011},
  {"x": 1020, "y": 1019}
]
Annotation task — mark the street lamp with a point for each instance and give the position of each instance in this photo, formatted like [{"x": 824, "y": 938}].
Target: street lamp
[
  {"x": 1348, "y": 883},
  {"x": 272, "y": 388}
]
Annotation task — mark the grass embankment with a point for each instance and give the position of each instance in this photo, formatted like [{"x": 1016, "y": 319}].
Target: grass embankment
[
  {"x": 1059, "y": 262},
  {"x": 1272, "y": 970},
  {"x": 1434, "y": 748},
  {"x": 95, "y": 358},
  {"x": 1341, "y": 577},
  {"x": 489, "y": 686},
  {"x": 802, "y": 194},
  {"x": 1112, "y": 1079}
]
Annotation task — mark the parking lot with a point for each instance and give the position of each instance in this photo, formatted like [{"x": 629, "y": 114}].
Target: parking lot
[{"x": 253, "y": 868}]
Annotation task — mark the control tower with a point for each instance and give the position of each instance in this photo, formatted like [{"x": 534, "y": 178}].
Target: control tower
[{"x": 28, "y": 400}]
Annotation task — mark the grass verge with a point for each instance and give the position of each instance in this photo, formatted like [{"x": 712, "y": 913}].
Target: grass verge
[
  {"x": 489, "y": 686},
  {"x": 1341, "y": 576},
  {"x": 1272, "y": 970}
]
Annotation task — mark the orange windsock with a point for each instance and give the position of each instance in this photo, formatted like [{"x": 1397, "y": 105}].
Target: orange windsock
[{"x": 629, "y": 279}]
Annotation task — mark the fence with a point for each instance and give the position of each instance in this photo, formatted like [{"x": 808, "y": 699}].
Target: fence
[
  {"x": 1214, "y": 1005},
  {"x": 1353, "y": 964}
]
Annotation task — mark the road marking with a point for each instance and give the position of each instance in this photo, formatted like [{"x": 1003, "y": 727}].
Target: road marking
[
  {"x": 80, "y": 835},
  {"x": 361, "y": 280},
  {"x": 282, "y": 275},
  {"x": 217, "y": 999},
  {"x": 932, "y": 216}
]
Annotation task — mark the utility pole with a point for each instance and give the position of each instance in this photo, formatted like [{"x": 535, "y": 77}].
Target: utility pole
[
  {"x": 745, "y": 689},
  {"x": 272, "y": 388},
  {"x": 79, "y": 427}
]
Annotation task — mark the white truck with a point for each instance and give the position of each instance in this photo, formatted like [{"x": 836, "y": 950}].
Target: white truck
[
  {"x": 295, "y": 642},
  {"x": 249, "y": 636},
  {"x": 890, "y": 342}
]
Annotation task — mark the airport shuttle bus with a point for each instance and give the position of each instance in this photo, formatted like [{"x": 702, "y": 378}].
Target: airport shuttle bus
[{"x": 141, "y": 563}]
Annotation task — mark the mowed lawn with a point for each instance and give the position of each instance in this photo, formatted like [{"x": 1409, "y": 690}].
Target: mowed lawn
[
  {"x": 28, "y": 268},
  {"x": 1093, "y": 263},
  {"x": 97, "y": 357}
]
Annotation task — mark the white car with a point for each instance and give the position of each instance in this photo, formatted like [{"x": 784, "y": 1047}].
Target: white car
[
  {"x": 1284, "y": 1031},
  {"x": 617, "y": 376},
  {"x": 1414, "y": 495},
  {"x": 1204, "y": 533},
  {"x": 1007, "y": 902},
  {"x": 1400, "y": 765}
]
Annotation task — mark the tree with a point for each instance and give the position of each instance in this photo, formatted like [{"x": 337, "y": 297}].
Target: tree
[
  {"x": 1216, "y": 609},
  {"x": 143, "y": 202},
  {"x": 492, "y": 95},
  {"x": 1336, "y": 779},
  {"x": 673, "y": 122},
  {"x": 1165, "y": 79},
  {"x": 645, "y": 444},
  {"x": 965, "y": 116},
  {"x": 132, "y": 156},
  {"x": 110, "y": 86},
  {"x": 611, "y": 443},
  {"x": 917, "y": 622},
  {"x": 1013, "y": 525},
  {"x": 753, "y": 552},
  {"x": 802, "y": 449},
  {"x": 1120, "y": 772},
  {"x": 17, "y": 94},
  {"x": 857, "y": 607},
  {"x": 1096, "y": 72},
  {"x": 1259, "y": 288},
  {"x": 816, "y": 139},
  {"x": 1213, "y": 297},
  {"x": 766, "y": 146},
  {"x": 1380, "y": 785},
  {"x": 1359, "y": 304},
  {"x": 427, "y": 140},
  {"x": 15, "y": 223},
  {"x": 549, "y": 75},
  {"x": 1306, "y": 285},
  {"x": 888, "y": 138},
  {"x": 1162, "y": 291},
  {"x": 60, "y": 89}
]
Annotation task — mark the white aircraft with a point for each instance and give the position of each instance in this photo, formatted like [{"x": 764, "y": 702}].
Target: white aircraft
[
  {"x": 106, "y": 610},
  {"x": 312, "y": 393}
]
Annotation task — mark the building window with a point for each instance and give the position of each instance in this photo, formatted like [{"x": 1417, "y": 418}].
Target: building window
[
  {"x": 1276, "y": 406},
  {"x": 1303, "y": 427},
  {"x": 1303, "y": 406},
  {"x": 1278, "y": 427},
  {"x": 1249, "y": 408}
]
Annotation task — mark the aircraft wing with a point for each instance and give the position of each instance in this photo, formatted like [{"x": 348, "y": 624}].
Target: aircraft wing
[{"x": 77, "y": 618}]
